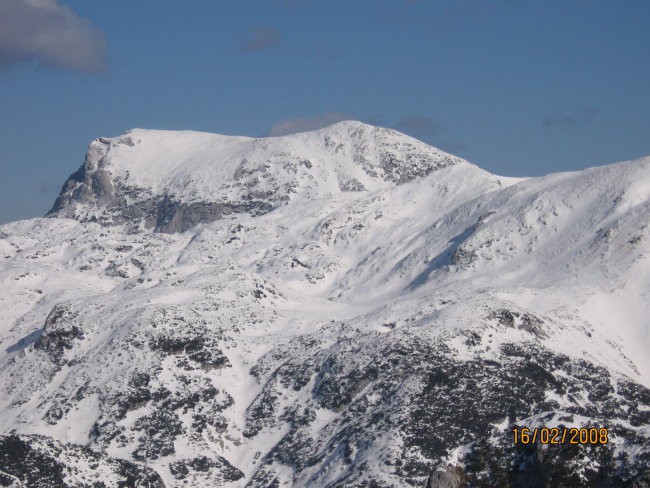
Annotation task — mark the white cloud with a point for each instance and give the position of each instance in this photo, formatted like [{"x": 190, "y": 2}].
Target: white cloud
[{"x": 50, "y": 33}]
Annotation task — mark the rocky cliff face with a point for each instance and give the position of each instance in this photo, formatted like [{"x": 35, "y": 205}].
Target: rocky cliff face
[{"x": 343, "y": 308}]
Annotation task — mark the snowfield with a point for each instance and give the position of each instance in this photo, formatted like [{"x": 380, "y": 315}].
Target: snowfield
[{"x": 343, "y": 307}]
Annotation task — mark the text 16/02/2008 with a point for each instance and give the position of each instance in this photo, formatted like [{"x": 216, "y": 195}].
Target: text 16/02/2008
[{"x": 560, "y": 435}]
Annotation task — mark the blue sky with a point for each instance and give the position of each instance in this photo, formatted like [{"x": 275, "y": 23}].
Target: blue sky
[{"x": 518, "y": 87}]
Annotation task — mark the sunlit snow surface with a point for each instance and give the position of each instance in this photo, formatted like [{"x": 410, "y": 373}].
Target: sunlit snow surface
[{"x": 265, "y": 333}]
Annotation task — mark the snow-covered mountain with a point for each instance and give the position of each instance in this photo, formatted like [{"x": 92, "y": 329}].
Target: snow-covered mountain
[
  {"x": 338, "y": 308},
  {"x": 173, "y": 180}
]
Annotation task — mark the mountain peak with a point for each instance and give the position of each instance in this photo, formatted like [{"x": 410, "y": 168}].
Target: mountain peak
[{"x": 172, "y": 180}]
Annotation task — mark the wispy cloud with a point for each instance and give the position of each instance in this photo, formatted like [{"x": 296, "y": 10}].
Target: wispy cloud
[
  {"x": 260, "y": 38},
  {"x": 47, "y": 189},
  {"x": 417, "y": 125},
  {"x": 321, "y": 52},
  {"x": 302, "y": 124},
  {"x": 570, "y": 117},
  {"x": 428, "y": 130},
  {"x": 51, "y": 34}
]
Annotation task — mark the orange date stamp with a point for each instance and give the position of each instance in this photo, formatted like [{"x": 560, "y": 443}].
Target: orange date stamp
[{"x": 562, "y": 435}]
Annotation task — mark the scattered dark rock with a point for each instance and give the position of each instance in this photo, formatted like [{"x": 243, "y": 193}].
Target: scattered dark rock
[
  {"x": 219, "y": 469},
  {"x": 59, "y": 333},
  {"x": 457, "y": 402},
  {"x": 40, "y": 462}
]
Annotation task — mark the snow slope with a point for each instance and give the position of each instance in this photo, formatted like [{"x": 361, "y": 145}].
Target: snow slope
[{"x": 344, "y": 307}]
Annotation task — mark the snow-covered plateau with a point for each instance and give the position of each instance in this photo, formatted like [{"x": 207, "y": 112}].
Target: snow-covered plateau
[{"x": 348, "y": 307}]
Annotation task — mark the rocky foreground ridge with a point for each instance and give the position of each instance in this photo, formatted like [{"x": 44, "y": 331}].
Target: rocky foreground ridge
[{"x": 347, "y": 307}]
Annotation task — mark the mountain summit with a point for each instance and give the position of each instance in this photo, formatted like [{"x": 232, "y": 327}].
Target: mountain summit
[
  {"x": 347, "y": 307},
  {"x": 170, "y": 181}
]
